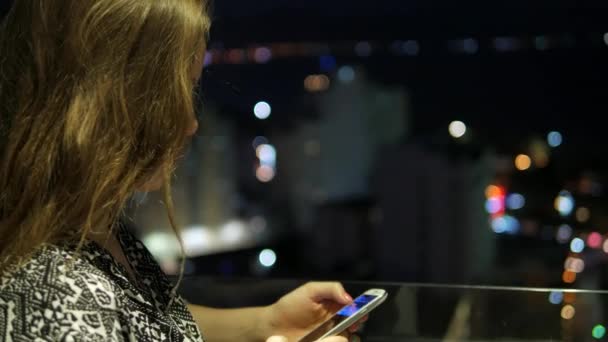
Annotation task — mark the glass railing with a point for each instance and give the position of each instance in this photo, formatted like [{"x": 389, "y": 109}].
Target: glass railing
[{"x": 430, "y": 312}]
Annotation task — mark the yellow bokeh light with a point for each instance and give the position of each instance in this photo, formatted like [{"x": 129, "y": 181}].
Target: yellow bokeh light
[
  {"x": 568, "y": 311},
  {"x": 523, "y": 162}
]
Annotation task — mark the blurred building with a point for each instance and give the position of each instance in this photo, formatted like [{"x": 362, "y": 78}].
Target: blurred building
[{"x": 433, "y": 226}]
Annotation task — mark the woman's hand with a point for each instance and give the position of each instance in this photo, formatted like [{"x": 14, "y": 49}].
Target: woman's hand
[{"x": 300, "y": 311}]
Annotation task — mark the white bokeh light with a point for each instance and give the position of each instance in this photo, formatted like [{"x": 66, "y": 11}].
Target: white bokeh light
[
  {"x": 457, "y": 129},
  {"x": 262, "y": 110}
]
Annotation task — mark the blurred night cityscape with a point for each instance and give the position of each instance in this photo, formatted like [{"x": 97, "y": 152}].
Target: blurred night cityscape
[{"x": 395, "y": 140}]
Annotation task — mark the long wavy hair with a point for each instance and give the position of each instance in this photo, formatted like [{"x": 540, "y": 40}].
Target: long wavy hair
[{"x": 95, "y": 97}]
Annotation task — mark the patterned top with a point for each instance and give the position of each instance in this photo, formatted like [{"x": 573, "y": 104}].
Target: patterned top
[{"x": 93, "y": 300}]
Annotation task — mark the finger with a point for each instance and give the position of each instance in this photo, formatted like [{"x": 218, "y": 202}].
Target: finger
[
  {"x": 321, "y": 291},
  {"x": 277, "y": 339}
]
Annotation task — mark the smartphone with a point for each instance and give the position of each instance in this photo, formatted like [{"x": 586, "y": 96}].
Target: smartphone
[{"x": 348, "y": 315}]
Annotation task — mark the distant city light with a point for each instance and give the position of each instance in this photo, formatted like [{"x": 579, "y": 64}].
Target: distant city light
[
  {"x": 494, "y": 191},
  {"x": 523, "y": 162},
  {"x": 564, "y": 203},
  {"x": 363, "y": 49},
  {"x": 259, "y": 140},
  {"x": 564, "y": 233},
  {"x": 235, "y": 56},
  {"x": 346, "y": 74},
  {"x": 569, "y": 277},
  {"x": 208, "y": 58},
  {"x": 506, "y": 44},
  {"x": 457, "y": 129},
  {"x": 556, "y": 297},
  {"x": 598, "y": 332},
  {"x": 554, "y": 139},
  {"x": 262, "y": 55},
  {"x": 516, "y": 201},
  {"x": 576, "y": 265},
  {"x": 265, "y": 173},
  {"x": 262, "y": 110},
  {"x": 233, "y": 233},
  {"x": 494, "y": 205},
  {"x": 411, "y": 48},
  {"x": 505, "y": 224},
  {"x": 267, "y": 155},
  {"x": 594, "y": 240},
  {"x": 267, "y": 258},
  {"x": 198, "y": 240},
  {"x": 568, "y": 312},
  {"x": 316, "y": 83},
  {"x": 327, "y": 63},
  {"x": 258, "y": 224},
  {"x": 470, "y": 46},
  {"x": 569, "y": 297},
  {"x": 577, "y": 245},
  {"x": 583, "y": 214}
]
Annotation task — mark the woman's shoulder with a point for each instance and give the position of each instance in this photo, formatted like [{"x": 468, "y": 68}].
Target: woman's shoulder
[
  {"x": 63, "y": 294},
  {"x": 53, "y": 267}
]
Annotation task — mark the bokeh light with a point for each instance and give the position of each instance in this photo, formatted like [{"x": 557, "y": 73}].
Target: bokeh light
[
  {"x": 267, "y": 258},
  {"x": 262, "y": 110},
  {"x": 516, "y": 201},
  {"x": 574, "y": 264},
  {"x": 316, "y": 83},
  {"x": 494, "y": 191},
  {"x": 363, "y": 49},
  {"x": 265, "y": 173},
  {"x": 577, "y": 245},
  {"x": 569, "y": 297},
  {"x": 327, "y": 63},
  {"x": 267, "y": 155},
  {"x": 262, "y": 55},
  {"x": 568, "y": 312},
  {"x": 505, "y": 224},
  {"x": 457, "y": 129},
  {"x": 598, "y": 332},
  {"x": 564, "y": 203},
  {"x": 554, "y": 139},
  {"x": 556, "y": 297},
  {"x": 564, "y": 233},
  {"x": 346, "y": 74},
  {"x": 523, "y": 162},
  {"x": 594, "y": 240},
  {"x": 569, "y": 277},
  {"x": 494, "y": 205}
]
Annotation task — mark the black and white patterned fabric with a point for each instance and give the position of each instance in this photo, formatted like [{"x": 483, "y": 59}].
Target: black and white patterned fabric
[{"x": 93, "y": 300}]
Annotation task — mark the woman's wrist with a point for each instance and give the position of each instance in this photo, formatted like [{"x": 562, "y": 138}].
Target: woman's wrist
[{"x": 265, "y": 323}]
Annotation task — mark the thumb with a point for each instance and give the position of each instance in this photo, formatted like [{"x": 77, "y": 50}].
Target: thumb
[{"x": 277, "y": 339}]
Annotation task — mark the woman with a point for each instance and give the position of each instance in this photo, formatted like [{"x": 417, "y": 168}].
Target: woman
[{"x": 96, "y": 104}]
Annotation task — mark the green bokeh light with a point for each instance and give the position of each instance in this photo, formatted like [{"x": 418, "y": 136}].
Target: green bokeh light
[{"x": 598, "y": 331}]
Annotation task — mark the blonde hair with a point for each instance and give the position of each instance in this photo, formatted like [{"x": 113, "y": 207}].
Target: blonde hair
[{"x": 95, "y": 96}]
